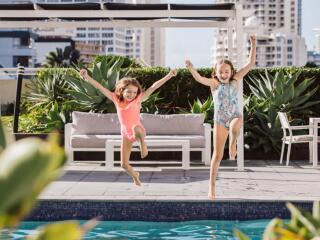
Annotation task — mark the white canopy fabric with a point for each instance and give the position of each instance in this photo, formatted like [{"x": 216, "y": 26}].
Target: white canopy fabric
[{"x": 116, "y": 15}]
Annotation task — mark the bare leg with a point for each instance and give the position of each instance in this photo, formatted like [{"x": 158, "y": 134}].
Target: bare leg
[
  {"x": 235, "y": 126},
  {"x": 125, "y": 156},
  {"x": 140, "y": 135},
  {"x": 220, "y": 135}
]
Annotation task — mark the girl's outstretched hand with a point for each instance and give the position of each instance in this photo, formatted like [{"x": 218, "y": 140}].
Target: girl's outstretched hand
[
  {"x": 173, "y": 72},
  {"x": 253, "y": 39},
  {"x": 83, "y": 73},
  {"x": 189, "y": 64}
]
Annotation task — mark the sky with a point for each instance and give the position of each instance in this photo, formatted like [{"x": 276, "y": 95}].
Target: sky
[{"x": 195, "y": 43}]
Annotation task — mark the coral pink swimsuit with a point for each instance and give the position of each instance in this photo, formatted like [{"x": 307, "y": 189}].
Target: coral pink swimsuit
[{"x": 129, "y": 116}]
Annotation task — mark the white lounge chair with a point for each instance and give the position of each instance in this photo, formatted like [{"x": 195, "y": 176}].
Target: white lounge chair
[{"x": 291, "y": 138}]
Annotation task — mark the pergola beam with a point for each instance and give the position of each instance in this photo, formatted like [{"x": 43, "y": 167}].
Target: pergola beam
[
  {"x": 106, "y": 24},
  {"x": 115, "y": 14}
]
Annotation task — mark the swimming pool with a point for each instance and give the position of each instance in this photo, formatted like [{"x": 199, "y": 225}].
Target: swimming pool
[
  {"x": 171, "y": 220},
  {"x": 189, "y": 230}
]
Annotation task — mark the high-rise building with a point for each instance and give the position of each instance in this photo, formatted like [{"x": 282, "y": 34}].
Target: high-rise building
[
  {"x": 314, "y": 57},
  {"x": 154, "y": 46},
  {"x": 17, "y": 46},
  {"x": 141, "y": 43},
  {"x": 277, "y": 24},
  {"x": 52, "y": 38},
  {"x": 317, "y": 47}
]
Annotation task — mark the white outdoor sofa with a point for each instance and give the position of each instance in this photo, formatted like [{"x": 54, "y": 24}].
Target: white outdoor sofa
[{"x": 99, "y": 132}]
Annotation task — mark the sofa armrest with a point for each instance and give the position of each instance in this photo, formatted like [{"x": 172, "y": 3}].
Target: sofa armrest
[
  {"x": 301, "y": 127},
  {"x": 207, "y": 136},
  {"x": 67, "y": 141},
  {"x": 207, "y": 131},
  {"x": 67, "y": 136}
]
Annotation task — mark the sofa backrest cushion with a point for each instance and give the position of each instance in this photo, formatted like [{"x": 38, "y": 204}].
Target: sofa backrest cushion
[
  {"x": 94, "y": 123},
  {"x": 155, "y": 124},
  {"x": 175, "y": 124}
]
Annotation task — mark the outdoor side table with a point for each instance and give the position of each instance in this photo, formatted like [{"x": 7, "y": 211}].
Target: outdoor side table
[{"x": 153, "y": 145}]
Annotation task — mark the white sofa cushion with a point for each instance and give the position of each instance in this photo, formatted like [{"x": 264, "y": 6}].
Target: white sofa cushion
[
  {"x": 175, "y": 124},
  {"x": 94, "y": 123},
  {"x": 84, "y": 123}
]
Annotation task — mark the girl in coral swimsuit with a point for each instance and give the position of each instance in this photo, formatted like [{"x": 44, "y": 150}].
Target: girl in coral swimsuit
[{"x": 127, "y": 98}]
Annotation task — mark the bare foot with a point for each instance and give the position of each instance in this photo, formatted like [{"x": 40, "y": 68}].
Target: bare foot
[
  {"x": 143, "y": 149},
  {"x": 211, "y": 194},
  {"x": 136, "y": 179}
]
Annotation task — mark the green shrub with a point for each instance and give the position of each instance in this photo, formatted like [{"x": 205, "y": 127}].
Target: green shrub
[
  {"x": 178, "y": 92},
  {"x": 262, "y": 129}
]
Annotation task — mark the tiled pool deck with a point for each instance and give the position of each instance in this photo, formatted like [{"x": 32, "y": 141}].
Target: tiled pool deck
[{"x": 261, "y": 181}]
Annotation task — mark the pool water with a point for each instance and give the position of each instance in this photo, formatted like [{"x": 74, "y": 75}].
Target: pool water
[{"x": 189, "y": 230}]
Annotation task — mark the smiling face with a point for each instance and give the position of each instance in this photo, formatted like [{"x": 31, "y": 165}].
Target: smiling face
[
  {"x": 127, "y": 89},
  {"x": 223, "y": 72},
  {"x": 130, "y": 93}
]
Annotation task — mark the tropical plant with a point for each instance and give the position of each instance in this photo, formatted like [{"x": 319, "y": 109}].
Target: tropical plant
[
  {"x": 262, "y": 129},
  {"x": 85, "y": 97},
  {"x": 302, "y": 226},
  {"x": 271, "y": 94},
  {"x": 55, "y": 119},
  {"x": 68, "y": 57},
  {"x": 149, "y": 105},
  {"x": 47, "y": 88},
  {"x": 206, "y": 108},
  {"x": 127, "y": 62},
  {"x": 26, "y": 168}
]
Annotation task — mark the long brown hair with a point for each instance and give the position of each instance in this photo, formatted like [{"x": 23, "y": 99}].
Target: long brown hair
[
  {"x": 123, "y": 83},
  {"x": 223, "y": 61}
]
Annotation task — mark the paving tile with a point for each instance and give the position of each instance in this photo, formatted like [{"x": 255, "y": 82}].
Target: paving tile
[{"x": 261, "y": 180}]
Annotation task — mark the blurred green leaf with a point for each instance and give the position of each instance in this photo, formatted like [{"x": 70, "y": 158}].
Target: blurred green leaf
[
  {"x": 303, "y": 219},
  {"x": 3, "y": 140},
  {"x": 240, "y": 235},
  {"x": 26, "y": 167},
  {"x": 67, "y": 230}
]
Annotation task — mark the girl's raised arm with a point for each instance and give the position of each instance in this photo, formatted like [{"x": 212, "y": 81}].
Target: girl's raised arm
[
  {"x": 252, "y": 60},
  {"x": 105, "y": 91},
  {"x": 203, "y": 80},
  {"x": 158, "y": 84}
]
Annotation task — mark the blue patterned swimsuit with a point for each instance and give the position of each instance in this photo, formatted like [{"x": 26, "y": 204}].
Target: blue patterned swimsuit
[{"x": 225, "y": 98}]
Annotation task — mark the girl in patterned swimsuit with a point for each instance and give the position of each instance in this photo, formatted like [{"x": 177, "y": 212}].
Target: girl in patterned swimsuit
[
  {"x": 227, "y": 116},
  {"x": 127, "y": 99}
]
